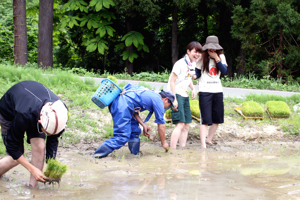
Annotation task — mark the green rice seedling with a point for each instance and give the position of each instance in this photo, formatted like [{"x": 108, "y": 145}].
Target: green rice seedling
[
  {"x": 252, "y": 109},
  {"x": 113, "y": 79},
  {"x": 54, "y": 171},
  {"x": 278, "y": 109}
]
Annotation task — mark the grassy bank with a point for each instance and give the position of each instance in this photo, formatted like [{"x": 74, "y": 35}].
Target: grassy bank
[{"x": 89, "y": 123}]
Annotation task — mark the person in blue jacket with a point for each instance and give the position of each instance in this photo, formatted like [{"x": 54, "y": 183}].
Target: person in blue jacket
[
  {"x": 125, "y": 113},
  {"x": 30, "y": 107}
]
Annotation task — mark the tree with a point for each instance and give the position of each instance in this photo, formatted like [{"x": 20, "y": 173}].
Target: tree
[
  {"x": 20, "y": 32},
  {"x": 45, "y": 45},
  {"x": 134, "y": 11},
  {"x": 179, "y": 5},
  {"x": 269, "y": 32}
]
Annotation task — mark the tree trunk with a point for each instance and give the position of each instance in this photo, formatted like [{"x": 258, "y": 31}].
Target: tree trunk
[
  {"x": 174, "y": 34},
  {"x": 225, "y": 38},
  {"x": 128, "y": 64},
  {"x": 241, "y": 64},
  {"x": 204, "y": 11},
  {"x": 45, "y": 44},
  {"x": 20, "y": 32},
  {"x": 281, "y": 53}
]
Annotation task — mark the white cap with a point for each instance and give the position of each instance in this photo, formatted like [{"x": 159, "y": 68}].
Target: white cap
[{"x": 54, "y": 116}]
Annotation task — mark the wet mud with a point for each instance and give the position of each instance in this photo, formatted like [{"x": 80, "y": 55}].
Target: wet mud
[{"x": 232, "y": 169}]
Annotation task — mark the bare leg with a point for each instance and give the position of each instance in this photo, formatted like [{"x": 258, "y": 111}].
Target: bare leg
[
  {"x": 176, "y": 134},
  {"x": 37, "y": 160},
  {"x": 211, "y": 132},
  {"x": 184, "y": 135},
  {"x": 6, "y": 164},
  {"x": 203, "y": 133}
]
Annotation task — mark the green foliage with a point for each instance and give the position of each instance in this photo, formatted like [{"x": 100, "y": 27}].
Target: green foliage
[
  {"x": 252, "y": 109},
  {"x": 278, "y": 109},
  {"x": 268, "y": 31},
  {"x": 96, "y": 43},
  {"x": 7, "y": 33},
  {"x": 100, "y": 26},
  {"x": 252, "y": 81},
  {"x": 146, "y": 85},
  {"x": 55, "y": 169},
  {"x": 6, "y": 45}
]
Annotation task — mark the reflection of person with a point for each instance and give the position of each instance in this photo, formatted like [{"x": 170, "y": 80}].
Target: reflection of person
[
  {"x": 179, "y": 81},
  {"x": 124, "y": 110},
  {"x": 209, "y": 69},
  {"x": 158, "y": 186},
  {"x": 30, "y": 107}
]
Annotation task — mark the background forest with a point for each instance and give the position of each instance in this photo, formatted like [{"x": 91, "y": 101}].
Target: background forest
[{"x": 260, "y": 37}]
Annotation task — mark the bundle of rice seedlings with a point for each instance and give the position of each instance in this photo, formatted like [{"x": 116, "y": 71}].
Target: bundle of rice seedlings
[
  {"x": 113, "y": 79},
  {"x": 168, "y": 114},
  {"x": 278, "y": 109},
  {"x": 252, "y": 109},
  {"x": 54, "y": 171}
]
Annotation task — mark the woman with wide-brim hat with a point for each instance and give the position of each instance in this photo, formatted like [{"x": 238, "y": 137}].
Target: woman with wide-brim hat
[{"x": 209, "y": 69}]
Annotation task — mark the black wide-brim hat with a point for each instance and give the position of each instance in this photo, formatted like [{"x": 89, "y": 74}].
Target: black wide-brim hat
[{"x": 212, "y": 42}]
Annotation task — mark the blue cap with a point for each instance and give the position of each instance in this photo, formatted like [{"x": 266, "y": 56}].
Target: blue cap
[{"x": 167, "y": 93}]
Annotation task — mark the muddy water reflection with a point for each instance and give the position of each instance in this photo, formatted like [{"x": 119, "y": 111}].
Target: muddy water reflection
[{"x": 181, "y": 174}]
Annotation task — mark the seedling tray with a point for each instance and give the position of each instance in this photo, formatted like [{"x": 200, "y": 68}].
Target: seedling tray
[
  {"x": 239, "y": 110},
  {"x": 196, "y": 118},
  {"x": 276, "y": 117}
]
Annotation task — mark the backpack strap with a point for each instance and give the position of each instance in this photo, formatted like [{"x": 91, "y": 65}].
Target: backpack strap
[{"x": 146, "y": 89}]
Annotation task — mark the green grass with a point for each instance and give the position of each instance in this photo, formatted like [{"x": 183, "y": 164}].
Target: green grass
[
  {"x": 108, "y": 131},
  {"x": 77, "y": 94},
  {"x": 242, "y": 81},
  {"x": 251, "y": 81}
]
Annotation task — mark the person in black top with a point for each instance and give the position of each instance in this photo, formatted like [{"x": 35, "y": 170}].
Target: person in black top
[{"x": 31, "y": 107}]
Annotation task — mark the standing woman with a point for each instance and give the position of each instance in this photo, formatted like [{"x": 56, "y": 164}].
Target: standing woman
[
  {"x": 179, "y": 81},
  {"x": 209, "y": 69}
]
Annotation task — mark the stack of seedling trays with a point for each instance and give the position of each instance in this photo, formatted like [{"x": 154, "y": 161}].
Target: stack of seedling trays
[
  {"x": 194, "y": 104},
  {"x": 167, "y": 115},
  {"x": 278, "y": 110},
  {"x": 251, "y": 110},
  {"x": 195, "y": 109}
]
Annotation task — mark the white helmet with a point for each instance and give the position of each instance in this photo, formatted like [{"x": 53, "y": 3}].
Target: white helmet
[{"x": 54, "y": 116}]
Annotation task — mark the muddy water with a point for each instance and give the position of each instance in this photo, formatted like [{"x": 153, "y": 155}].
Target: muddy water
[{"x": 223, "y": 172}]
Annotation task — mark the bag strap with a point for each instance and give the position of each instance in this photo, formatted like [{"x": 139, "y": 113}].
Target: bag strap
[{"x": 150, "y": 113}]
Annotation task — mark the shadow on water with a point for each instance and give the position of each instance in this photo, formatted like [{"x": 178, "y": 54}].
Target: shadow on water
[{"x": 181, "y": 174}]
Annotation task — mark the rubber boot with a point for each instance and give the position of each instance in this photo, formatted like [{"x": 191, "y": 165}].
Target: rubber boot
[
  {"x": 102, "y": 151},
  {"x": 134, "y": 146}
]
